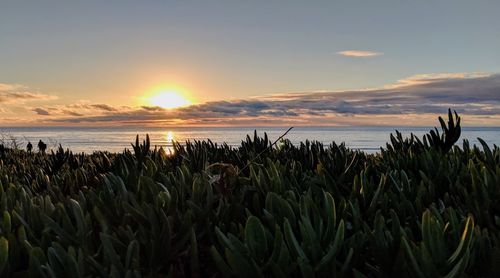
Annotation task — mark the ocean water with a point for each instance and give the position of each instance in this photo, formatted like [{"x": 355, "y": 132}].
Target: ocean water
[{"x": 116, "y": 139}]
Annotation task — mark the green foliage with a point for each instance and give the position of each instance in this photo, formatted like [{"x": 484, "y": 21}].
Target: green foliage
[{"x": 419, "y": 208}]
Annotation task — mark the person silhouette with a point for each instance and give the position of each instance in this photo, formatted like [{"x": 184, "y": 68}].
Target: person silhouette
[
  {"x": 29, "y": 147},
  {"x": 42, "y": 146}
]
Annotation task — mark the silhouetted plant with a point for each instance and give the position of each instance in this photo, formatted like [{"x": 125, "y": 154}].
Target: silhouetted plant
[
  {"x": 449, "y": 136},
  {"x": 442, "y": 142},
  {"x": 58, "y": 159},
  {"x": 141, "y": 151}
]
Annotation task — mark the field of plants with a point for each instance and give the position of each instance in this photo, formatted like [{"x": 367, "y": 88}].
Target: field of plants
[{"x": 421, "y": 207}]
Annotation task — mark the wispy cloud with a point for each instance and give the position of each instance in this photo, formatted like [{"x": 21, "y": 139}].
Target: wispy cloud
[
  {"x": 15, "y": 93},
  {"x": 90, "y": 106},
  {"x": 41, "y": 111},
  {"x": 359, "y": 53}
]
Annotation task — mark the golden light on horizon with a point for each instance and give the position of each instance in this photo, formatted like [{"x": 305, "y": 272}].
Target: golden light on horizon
[
  {"x": 168, "y": 99},
  {"x": 170, "y": 137}
]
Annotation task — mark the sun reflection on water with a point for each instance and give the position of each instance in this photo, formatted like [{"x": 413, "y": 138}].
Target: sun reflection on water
[
  {"x": 170, "y": 137},
  {"x": 169, "y": 148}
]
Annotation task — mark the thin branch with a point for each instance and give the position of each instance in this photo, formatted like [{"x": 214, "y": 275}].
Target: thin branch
[{"x": 265, "y": 150}]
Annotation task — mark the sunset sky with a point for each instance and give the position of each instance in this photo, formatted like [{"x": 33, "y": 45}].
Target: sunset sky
[{"x": 248, "y": 63}]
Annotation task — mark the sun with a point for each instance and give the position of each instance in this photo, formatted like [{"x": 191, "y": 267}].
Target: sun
[{"x": 168, "y": 99}]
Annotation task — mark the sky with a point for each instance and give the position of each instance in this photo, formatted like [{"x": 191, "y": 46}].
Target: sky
[{"x": 248, "y": 63}]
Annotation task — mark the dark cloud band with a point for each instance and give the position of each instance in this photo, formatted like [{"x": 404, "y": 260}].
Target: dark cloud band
[{"x": 473, "y": 94}]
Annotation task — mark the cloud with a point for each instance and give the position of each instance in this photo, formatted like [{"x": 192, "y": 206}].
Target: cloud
[
  {"x": 359, "y": 53},
  {"x": 41, "y": 111},
  {"x": 15, "y": 93},
  {"x": 71, "y": 113},
  {"x": 421, "y": 79},
  {"x": 469, "y": 94},
  {"x": 415, "y": 100},
  {"x": 104, "y": 107},
  {"x": 90, "y": 106}
]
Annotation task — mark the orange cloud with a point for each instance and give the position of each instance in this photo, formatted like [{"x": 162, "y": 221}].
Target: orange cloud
[
  {"x": 415, "y": 100},
  {"x": 15, "y": 93}
]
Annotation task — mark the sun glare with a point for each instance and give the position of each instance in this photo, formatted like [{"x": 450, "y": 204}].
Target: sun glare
[
  {"x": 168, "y": 99},
  {"x": 170, "y": 137}
]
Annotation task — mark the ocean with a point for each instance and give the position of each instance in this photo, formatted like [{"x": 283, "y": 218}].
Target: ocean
[{"x": 116, "y": 139}]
